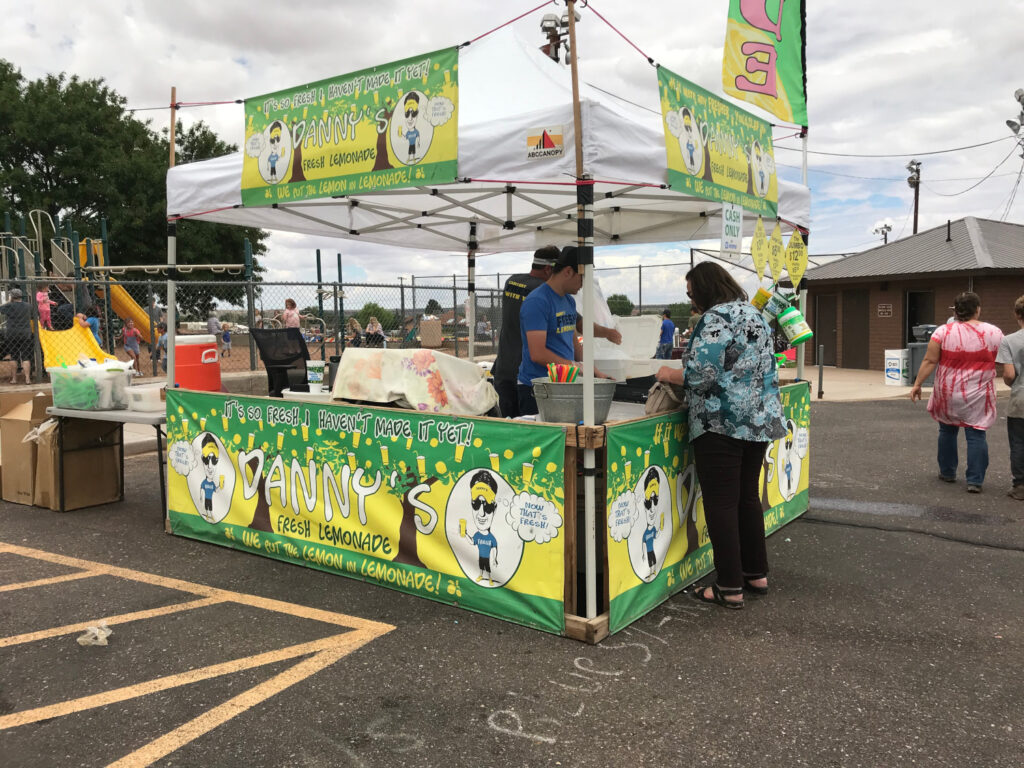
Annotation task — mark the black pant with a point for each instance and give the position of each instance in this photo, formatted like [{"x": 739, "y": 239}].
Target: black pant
[
  {"x": 527, "y": 402},
  {"x": 729, "y": 470},
  {"x": 508, "y": 398}
]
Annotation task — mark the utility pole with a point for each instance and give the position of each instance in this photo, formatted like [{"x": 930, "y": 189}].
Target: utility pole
[
  {"x": 914, "y": 181},
  {"x": 885, "y": 229}
]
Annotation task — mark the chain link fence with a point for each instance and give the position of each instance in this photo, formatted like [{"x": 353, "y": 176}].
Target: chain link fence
[{"x": 126, "y": 319}]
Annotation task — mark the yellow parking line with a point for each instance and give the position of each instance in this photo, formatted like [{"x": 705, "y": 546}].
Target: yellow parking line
[
  {"x": 170, "y": 681},
  {"x": 278, "y": 606},
  {"x": 321, "y": 653},
  {"x": 44, "y": 582},
  {"x": 179, "y": 737},
  {"x": 123, "y": 618}
]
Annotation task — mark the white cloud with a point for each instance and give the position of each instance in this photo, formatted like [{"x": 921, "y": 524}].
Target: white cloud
[{"x": 882, "y": 79}]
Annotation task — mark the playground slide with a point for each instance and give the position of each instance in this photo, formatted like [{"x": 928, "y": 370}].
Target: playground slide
[
  {"x": 127, "y": 308},
  {"x": 120, "y": 300},
  {"x": 62, "y": 348}
]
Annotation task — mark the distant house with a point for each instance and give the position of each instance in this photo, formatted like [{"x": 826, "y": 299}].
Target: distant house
[{"x": 869, "y": 302}]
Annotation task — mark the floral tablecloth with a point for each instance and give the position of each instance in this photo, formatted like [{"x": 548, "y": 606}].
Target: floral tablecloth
[{"x": 420, "y": 379}]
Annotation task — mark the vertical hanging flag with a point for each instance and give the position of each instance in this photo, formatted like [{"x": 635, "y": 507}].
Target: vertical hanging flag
[
  {"x": 759, "y": 248},
  {"x": 776, "y": 253},
  {"x": 796, "y": 257},
  {"x": 764, "y": 59}
]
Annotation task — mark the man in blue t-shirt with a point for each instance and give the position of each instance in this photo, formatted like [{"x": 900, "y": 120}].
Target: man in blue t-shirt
[
  {"x": 668, "y": 332},
  {"x": 483, "y": 494},
  {"x": 548, "y": 323}
]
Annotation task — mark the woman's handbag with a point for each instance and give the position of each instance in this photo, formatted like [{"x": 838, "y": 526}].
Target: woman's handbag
[{"x": 664, "y": 397}]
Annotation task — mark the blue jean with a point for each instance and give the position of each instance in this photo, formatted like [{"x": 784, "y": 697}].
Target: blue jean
[
  {"x": 1015, "y": 428},
  {"x": 977, "y": 453},
  {"x": 664, "y": 351}
]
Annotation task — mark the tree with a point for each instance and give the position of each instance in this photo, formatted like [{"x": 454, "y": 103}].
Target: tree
[
  {"x": 433, "y": 308},
  {"x": 386, "y": 317},
  {"x": 620, "y": 305},
  {"x": 680, "y": 312},
  {"x": 69, "y": 147}
]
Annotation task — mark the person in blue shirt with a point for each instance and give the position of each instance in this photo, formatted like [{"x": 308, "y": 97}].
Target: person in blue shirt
[
  {"x": 91, "y": 320},
  {"x": 668, "y": 332},
  {"x": 735, "y": 412},
  {"x": 548, "y": 324},
  {"x": 483, "y": 494},
  {"x": 411, "y": 106},
  {"x": 651, "y": 489},
  {"x": 210, "y": 455}
]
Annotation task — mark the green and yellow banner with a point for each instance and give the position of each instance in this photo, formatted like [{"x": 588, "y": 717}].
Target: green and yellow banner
[
  {"x": 657, "y": 538},
  {"x": 763, "y": 61},
  {"x": 426, "y": 504},
  {"x": 716, "y": 151},
  {"x": 391, "y": 126}
]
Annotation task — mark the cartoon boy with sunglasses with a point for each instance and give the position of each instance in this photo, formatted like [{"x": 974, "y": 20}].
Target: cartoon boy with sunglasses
[
  {"x": 275, "y": 148},
  {"x": 411, "y": 106},
  {"x": 210, "y": 455},
  {"x": 483, "y": 493},
  {"x": 651, "y": 488}
]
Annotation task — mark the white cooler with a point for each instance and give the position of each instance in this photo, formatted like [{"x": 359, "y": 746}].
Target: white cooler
[{"x": 897, "y": 367}]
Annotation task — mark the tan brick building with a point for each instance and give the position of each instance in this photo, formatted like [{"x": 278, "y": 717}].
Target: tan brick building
[{"x": 868, "y": 302}]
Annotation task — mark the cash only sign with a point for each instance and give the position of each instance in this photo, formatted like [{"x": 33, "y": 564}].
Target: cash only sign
[
  {"x": 387, "y": 127},
  {"x": 423, "y": 503}
]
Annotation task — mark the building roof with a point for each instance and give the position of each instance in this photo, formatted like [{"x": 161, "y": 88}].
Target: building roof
[{"x": 970, "y": 245}]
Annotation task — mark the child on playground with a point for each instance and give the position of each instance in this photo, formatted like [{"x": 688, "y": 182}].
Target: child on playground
[
  {"x": 44, "y": 302},
  {"x": 91, "y": 320},
  {"x": 290, "y": 317},
  {"x": 132, "y": 335},
  {"x": 226, "y": 340}
]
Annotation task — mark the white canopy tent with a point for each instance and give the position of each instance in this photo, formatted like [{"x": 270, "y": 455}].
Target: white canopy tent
[{"x": 509, "y": 91}]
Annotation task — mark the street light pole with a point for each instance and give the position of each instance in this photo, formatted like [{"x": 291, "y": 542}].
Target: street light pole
[{"x": 914, "y": 181}]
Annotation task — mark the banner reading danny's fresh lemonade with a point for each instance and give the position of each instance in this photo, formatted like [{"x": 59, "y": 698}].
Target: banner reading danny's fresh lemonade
[
  {"x": 657, "y": 538},
  {"x": 716, "y": 151},
  {"x": 391, "y": 126},
  {"x": 463, "y": 511}
]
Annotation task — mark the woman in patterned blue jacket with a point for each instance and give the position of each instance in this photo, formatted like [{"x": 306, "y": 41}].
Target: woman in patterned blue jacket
[{"x": 734, "y": 413}]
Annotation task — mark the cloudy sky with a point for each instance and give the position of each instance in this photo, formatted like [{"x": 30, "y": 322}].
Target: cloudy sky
[{"x": 887, "y": 82}]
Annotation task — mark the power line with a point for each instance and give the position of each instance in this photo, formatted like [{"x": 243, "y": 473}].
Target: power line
[
  {"x": 984, "y": 178},
  {"x": 881, "y": 178},
  {"x": 900, "y": 155}
]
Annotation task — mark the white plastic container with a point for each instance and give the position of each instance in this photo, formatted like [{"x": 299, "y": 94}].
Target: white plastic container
[
  {"x": 897, "y": 367},
  {"x": 146, "y": 398},
  {"x": 97, "y": 388}
]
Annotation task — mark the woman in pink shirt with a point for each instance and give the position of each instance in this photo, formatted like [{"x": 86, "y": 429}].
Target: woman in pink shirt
[{"x": 963, "y": 356}]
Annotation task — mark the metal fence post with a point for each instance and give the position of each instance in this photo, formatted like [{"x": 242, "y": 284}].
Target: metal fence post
[
  {"x": 320, "y": 305},
  {"x": 413, "y": 278},
  {"x": 455, "y": 314},
  {"x": 153, "y": 335},
  {"x": 337, "y": 321},
  {"x": 79, "y": 292},
  {"x": 401, "y": 304},
  {"x": 341, "y": 306},
  {"x": 104, "y": 253},
  {"x": 37, "y": 350},
  {"x": 640, "y": 285},
  {"x": 250, "y": 300}
]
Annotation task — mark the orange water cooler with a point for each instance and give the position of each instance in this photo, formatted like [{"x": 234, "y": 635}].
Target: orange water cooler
[{"x": 197, "y": 363}]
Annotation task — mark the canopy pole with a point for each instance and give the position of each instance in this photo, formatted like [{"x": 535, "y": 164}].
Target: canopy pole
[
  {"x": 800, "y": 352},
  {"x": 172, "y": 260},
  {"x": 585, "y": 246},
  {"x": 472, "y": 245}
]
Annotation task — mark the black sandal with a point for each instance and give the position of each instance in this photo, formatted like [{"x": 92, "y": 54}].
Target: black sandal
[
  {"x": 752, "y": 588},
  {"x": 718, "y": 596}
]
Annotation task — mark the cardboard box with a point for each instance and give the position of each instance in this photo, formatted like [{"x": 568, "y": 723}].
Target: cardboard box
[
  {"x": 92, "y": 465},
  {"x": 20, "y": 412},
  {"x": 431, "y": 335}
]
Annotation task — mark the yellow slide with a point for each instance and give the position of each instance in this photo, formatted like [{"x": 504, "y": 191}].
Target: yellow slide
[
  {"x": 120, "y": 300},
  {"x": 62, "y": 348}
]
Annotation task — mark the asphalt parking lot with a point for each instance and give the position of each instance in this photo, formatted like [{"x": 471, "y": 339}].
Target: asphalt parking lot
[{"x": 893, "y": 636}]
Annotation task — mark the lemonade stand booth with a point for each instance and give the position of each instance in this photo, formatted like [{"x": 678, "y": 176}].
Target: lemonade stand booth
[{"x": 574, "y": 529}]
